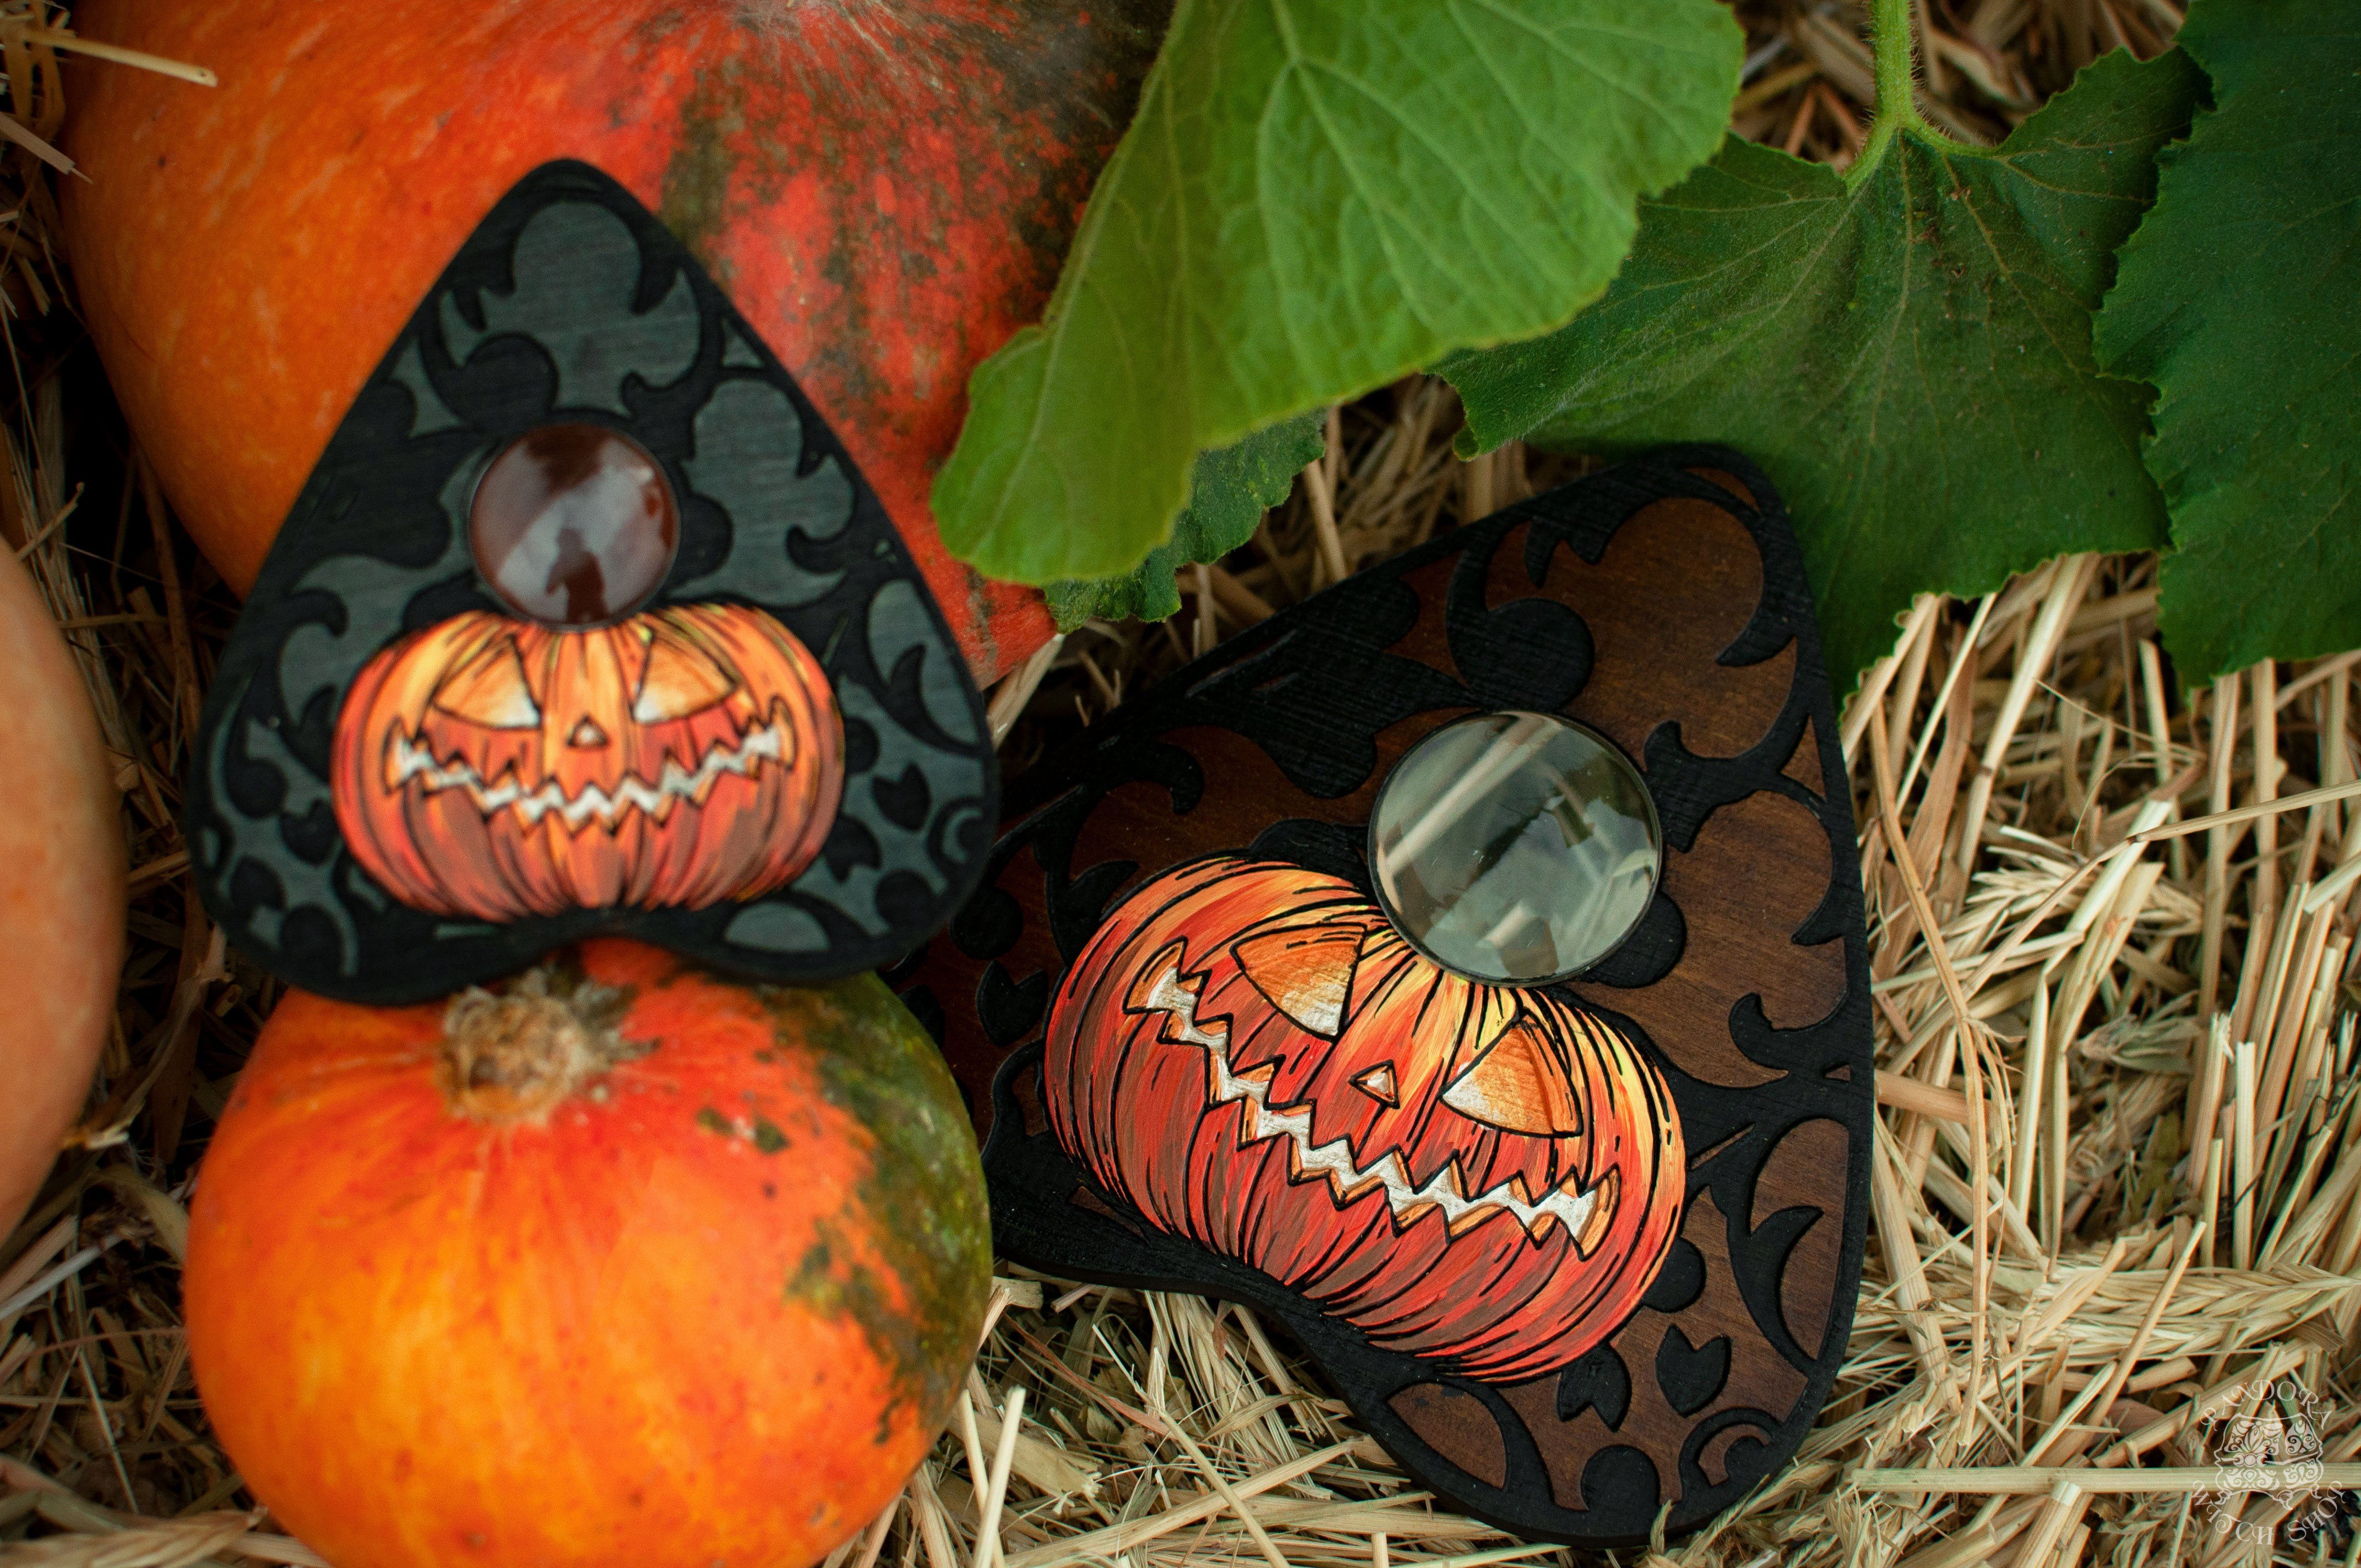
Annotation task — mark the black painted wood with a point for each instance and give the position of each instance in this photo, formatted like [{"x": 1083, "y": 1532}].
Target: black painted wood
[{"x": 572, "y": 303}]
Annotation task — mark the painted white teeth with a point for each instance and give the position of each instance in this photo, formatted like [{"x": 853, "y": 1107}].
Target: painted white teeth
[
  {"x": 411, "y": 760},
  {"x": 1334, "y": 1159}
]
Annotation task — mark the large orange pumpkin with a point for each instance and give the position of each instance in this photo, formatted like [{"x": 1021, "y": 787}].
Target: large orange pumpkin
[
  {"x": 628, "y": 1265},
  {"x": 886, "y": 188},
  {"x": 499, "y": 767},
  {"x": 61, "y": 892},
  {"x": 1250, "y": 1055}
]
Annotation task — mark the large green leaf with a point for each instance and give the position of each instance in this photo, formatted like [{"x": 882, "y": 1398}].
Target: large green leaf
[
  {"x": 1318, "y": 196},
  {"x": 1905, "y": 350},
  {"x": 1231, "y": 490},
  {"x": 2240, "y": 298}
]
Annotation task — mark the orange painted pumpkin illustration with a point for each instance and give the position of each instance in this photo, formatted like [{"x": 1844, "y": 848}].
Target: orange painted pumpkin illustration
[
  {"x": 498, "y": 768},
  {"x": 1252, "y": 1056}
]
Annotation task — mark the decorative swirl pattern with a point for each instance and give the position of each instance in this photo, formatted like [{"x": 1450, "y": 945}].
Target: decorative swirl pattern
[{"x": 1662, "y": 603}]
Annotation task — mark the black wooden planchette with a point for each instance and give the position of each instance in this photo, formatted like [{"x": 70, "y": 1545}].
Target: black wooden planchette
[
  {"x": 572, "y": 303},
  {"x": 1662, "y": 604}
]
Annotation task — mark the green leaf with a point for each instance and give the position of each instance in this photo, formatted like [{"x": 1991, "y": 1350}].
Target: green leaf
[
  {"x": 1231, "y": 490},
  {"x": 1904, "y": 350},
  {"x": 1317, "y": 197},
  {"x": 2238, "y": 298}
]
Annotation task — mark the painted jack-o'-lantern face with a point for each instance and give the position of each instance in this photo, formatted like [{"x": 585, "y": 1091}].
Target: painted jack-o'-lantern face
[
  {"x": 498, "y": 768},
  {"x": 1252, "y": 1056},
  {"x": 580, "y": 586}
]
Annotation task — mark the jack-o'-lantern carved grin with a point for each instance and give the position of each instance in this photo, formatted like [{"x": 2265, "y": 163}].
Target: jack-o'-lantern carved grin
[
  {"x": 1499, "y": 1090},
  {"x": 410, "y": 759},
  {"x": 498, "y": 768},
  {"x": 1251, "y": 1055}
]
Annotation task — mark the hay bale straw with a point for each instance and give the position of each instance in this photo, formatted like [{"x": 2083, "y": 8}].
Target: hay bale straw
[{"x": 2112, "y": 935}]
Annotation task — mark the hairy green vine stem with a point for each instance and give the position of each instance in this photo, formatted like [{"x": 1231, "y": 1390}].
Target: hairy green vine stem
[
  {"x": 1897, "y": 106},
  {"x": 1895, "y": 81}
]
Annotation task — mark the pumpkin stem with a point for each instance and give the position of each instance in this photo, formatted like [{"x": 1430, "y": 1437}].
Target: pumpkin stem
[{"x": 514, "y": 1057}]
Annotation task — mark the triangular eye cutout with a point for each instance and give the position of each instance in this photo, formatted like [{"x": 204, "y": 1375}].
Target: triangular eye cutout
[
  {"x": 578, "y": 464},
  {"x": 1518, "y": 1086},
  {"x": 1306, "y": 975},
  {"x": 489, "y": 690},
  {"x": 681, "y": 679}
]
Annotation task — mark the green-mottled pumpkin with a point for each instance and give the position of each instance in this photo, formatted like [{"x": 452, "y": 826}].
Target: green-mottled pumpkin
[
  {"x": 885, "y": 188},
  {"x": 623, "y": 1263}
]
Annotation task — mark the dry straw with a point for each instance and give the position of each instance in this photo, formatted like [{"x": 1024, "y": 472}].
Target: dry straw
[{"x": 2118, "y": 1189}]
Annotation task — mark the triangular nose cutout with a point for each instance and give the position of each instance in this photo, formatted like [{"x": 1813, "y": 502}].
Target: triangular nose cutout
[
  {"x": 1379, "y": 1083},
  {"x": 572, "y": 306}
]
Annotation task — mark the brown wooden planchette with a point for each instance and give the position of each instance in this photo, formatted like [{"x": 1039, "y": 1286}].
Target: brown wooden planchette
[{"x": 1186, "y": 883}]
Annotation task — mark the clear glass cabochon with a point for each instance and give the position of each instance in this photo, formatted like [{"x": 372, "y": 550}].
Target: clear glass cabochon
[{"x": 1515, "y": 849}]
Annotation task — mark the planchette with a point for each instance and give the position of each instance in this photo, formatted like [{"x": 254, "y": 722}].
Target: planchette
[
  {"x": 1567, "y": 1197},
  {"x": 585, "y": 622}
]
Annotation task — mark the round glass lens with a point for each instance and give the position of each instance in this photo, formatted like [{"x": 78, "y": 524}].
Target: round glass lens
[
  {"x": 1515, "y": 848},
  {"x": 574, "y": 525}
]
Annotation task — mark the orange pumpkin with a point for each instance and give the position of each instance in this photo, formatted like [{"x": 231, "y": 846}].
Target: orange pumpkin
[
  {"x": 885, "y": 190},
  {"x": 61, "y": 892},
  {"x": 499, "y": 767},
  {"x": 629, "y": 1264},
  {"x": 1250, "y": 1055}
]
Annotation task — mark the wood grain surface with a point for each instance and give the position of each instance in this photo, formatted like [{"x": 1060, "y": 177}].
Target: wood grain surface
[{"x": 1662, "y": 603}]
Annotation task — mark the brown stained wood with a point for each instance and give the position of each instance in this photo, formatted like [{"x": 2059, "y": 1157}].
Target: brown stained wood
[
  {"x": 1758, "y": 1378},
  {"x": 1457, "y": 1426},
  {"x": 1677, "y": 582},
  {"x": 1672, "y": 591},
  {"x": 1084, "y": 1198},
  {"x": 1244, "y": 792},
  {"x": 1797, "y": 1174},
  {"x": 1035, "y": 1116},
  {"x": 1730, "y": 482},
  {"x": 1428, "y": 639},
  {"x": 1758, "y": 872}
]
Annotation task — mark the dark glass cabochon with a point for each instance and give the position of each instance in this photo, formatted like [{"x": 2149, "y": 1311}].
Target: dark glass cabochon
[
  {"x": 1662, "y": 604},
  {"x": 573, "y": 524},
  {"x": 572, "y": 307}
]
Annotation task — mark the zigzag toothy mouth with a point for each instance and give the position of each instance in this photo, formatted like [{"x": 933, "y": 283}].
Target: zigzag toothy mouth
[
  {"x": 413, "y": 760},
  {"x": 1333, "y": 1160}
]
